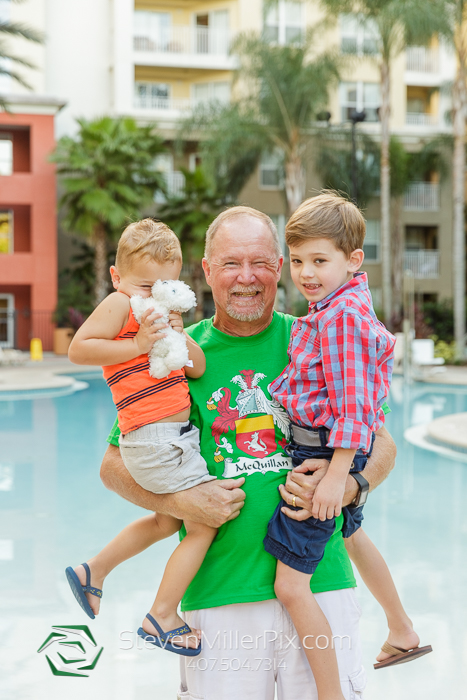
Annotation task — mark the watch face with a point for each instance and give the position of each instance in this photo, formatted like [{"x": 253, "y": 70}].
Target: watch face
[{"x": 363, "y": 498}]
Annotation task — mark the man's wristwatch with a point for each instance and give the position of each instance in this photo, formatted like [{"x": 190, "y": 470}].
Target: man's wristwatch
[{"x": 363, "y": 489}]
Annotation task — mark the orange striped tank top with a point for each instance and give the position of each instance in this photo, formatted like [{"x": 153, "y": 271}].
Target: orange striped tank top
[{"x": 141, "y": 399}]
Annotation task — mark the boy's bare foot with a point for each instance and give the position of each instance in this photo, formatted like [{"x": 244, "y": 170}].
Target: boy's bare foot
[
  {"x": 402, "y": 639},
  {"x": 171, "y": 622},
  {"x": 96, "y": 582}
]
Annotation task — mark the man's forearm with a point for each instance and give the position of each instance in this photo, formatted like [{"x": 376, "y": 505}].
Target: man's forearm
[
  {"x": 211, "y": 503},
  {"x": 379, "y": 465}
]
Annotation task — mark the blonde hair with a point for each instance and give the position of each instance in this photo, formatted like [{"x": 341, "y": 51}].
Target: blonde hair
[
  {"x": 237, "y": 213},
  {"x": 147, "y": 239},
  {"x": 327, "y": 216}
]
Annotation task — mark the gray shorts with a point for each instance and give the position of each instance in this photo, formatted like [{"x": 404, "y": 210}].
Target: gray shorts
[{"x": 162, "y": 460}]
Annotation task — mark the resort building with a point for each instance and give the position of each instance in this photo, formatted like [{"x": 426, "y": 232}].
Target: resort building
[
  {"x": 28, "y": 222},
  {"x": 156, "y": 60}
]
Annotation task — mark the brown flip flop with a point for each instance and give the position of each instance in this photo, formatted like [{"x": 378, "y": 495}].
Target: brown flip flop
[{"x": 401, "y": 656}]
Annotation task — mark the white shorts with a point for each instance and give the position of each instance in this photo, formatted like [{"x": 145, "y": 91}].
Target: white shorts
[
  {"x": 249, "y": 647},
  {"x": 164, "y": 457}
]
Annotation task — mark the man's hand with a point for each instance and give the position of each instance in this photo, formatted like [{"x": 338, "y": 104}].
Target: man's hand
[
  {"x": 149, "y": 332},
  {"x": 212, "y": 503},
  {"x": 301, "y": 484}
]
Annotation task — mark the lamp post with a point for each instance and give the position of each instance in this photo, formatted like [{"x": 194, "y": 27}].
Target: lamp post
[{"x": 355, "y": 118}]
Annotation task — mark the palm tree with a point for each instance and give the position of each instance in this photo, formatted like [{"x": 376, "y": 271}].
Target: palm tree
[
  {"x": 15, "y": 29},
  {"x": 283, "y": 89},
  {"x": 400, "y": 23},
  {"x": 189, "y": 215},
  {"x": 109, "y": 176}
]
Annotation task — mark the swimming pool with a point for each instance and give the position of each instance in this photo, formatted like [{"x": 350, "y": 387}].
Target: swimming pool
[{"x": 54, "y": 512}]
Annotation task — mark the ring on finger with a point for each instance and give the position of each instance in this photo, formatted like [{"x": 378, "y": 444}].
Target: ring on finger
[{"x": 293, "y": 501}]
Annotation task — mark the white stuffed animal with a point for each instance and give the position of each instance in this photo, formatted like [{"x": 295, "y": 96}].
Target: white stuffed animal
[{"x": 171, "y": 352}]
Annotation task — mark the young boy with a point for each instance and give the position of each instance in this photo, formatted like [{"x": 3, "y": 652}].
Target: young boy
[
  {"x": 339, "y": 374},
  {"x": 158, "y": 444}
]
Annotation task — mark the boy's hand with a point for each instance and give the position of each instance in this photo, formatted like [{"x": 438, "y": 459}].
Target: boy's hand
[
  {"x": 327, "y": 499},
  {"x": 176, "y": 321},
  {"x": 149, "y": 332}
]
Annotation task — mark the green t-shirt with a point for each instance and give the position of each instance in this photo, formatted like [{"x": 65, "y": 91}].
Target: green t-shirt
[{"x": 242, "y": 434}]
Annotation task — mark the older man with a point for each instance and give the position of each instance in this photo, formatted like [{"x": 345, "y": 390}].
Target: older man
[{"x": 249, "y": 642}]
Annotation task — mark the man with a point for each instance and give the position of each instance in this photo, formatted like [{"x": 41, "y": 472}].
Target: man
[{"x": 249, "y": 643}]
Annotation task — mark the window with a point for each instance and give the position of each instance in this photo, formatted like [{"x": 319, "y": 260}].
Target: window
[
  {"x": 270, "y": 171},
  {"x": 371, "y": 245},
  {"x": 355, "y": 97},
  {"x": 358, "y": 37},
  {"x": 6, "y": 232},
  {"x": 151, "y": 30},
  {"x": 6, "y": 155},
  {"x": 210, "y": 92},
  {"x": 284, "y": 23},
  {"x": 155, "y": 95},
  {"x": 212, "y": 32}
]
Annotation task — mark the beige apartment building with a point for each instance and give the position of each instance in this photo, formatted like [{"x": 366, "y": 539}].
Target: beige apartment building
[
  {"x": 180, "y": 57},
  {"x": 157, "y": 59}
]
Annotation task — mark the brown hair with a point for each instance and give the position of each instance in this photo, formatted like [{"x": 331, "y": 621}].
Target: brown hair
[
  {"x": 327, "y": 216},
  {"x": 147, "y": 239},
  {"x": 236, "y": 213}
]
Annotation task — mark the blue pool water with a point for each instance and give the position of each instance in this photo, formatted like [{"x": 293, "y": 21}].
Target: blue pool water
[{"x": 54, "y": 512}]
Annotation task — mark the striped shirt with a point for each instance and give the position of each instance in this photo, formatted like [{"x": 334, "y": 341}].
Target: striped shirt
[
  {"x": 340, "y": 368},
  {"x": 141, "y": 399}
]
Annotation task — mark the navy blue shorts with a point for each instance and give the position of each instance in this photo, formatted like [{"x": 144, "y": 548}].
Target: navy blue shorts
[{"x": 300, "y": 544}]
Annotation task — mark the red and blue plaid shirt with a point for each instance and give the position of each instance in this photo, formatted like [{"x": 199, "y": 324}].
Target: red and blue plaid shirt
[{"x": 340, "y": 368}]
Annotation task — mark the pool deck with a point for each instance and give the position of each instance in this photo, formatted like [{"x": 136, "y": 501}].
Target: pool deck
[{"x": 52, "y": 373}]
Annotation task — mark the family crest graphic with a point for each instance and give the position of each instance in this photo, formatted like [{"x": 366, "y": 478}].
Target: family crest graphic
[{"x": 260, "y": 427}]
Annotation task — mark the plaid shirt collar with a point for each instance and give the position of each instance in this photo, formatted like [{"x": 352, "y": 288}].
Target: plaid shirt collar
[{"x": 357, "y": 284}]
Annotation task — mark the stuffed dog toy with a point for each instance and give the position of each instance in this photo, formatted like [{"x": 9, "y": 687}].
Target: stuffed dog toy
[{"x": 171, "y": 352}]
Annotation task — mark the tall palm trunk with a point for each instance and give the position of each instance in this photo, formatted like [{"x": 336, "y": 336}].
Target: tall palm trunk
[
  {"x": 397, "y": 251},
  {"x": 385, "y": 111},
  {"x": 295, "y": 182},
  {"x": 100, "y": 264},
  {"x": 458, "y": 185}
]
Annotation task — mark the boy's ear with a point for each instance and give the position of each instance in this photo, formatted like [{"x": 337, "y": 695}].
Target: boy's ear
[
  {"x": 356, "y": 260},
  {"x": 115, "y": 277}
]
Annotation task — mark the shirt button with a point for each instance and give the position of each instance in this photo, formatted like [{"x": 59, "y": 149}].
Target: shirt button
[{"x": 286, "y": 376}]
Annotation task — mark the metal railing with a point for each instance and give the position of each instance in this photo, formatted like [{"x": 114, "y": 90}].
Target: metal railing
[
  {"x": 422, "y": 59},
  {"x": 161, "y": 103},
  {"x": 19, "y": 326},
  {"x": 424, "y": 264},
  {"x": 175, "y": 183},
  {"x": 421, "y": 119},
  {"x": 422, "y": 196},
  {"x": 186, "y": 40}
]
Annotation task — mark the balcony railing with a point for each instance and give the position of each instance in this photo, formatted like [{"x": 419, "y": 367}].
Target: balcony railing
[
  {"x": 421, "y": 119},
  {"x": 175, "y": 183},
  {"x": 422, "y": 196},
  {"x": 422, "y": 60},
  {"x": 185, "y": 40},
  {"x": 424, "y": 264},
  {"x": 161, "y": 103}
]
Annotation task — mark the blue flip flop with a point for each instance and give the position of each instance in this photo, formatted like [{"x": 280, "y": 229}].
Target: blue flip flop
[
  {"x": 79, "y": 590},
  {"x": 163, "y": 641}
]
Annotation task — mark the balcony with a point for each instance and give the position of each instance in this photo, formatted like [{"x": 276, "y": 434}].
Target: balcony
[
  {"x": 420, "y": 59},
  {"x": 185, "y": 46},
  {"x": 162, "y": 104},
  {"x": 421, "y": 119},
  {"x": 424, "y": 264},
  {"x": 175, "y": 183},
  {"x": 422, "y": 196}
]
